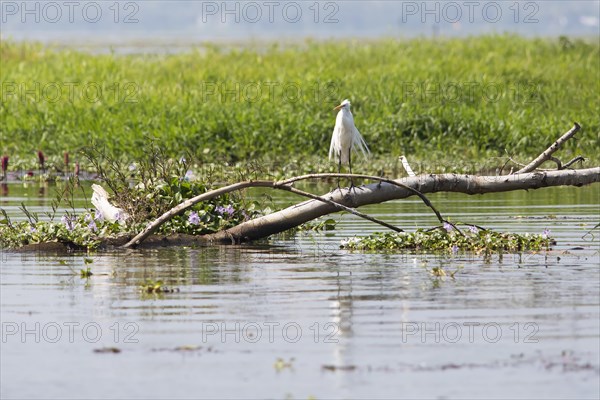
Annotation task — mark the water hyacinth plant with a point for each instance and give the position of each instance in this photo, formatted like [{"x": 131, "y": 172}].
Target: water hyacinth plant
[
  {"x": 144, "y": 192},
  {"x": 82, "y": 231},
  {"x": 449, "y": 240}
]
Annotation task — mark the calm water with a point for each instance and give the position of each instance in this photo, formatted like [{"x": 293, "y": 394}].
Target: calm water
[{"x": 299, "y": 318}]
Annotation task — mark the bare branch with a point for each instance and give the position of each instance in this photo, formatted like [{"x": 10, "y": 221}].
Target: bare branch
[
  {"x": 406, "y": 166},
  {"x": 573, "y": 161},
  {"x": 557, "y": 161},
  {"x": 545, "y": 156},
  {"x": 371, "y": 177}
]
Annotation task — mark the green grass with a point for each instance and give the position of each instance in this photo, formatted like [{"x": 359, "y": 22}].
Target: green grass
[{"x": 442, "y": 102}]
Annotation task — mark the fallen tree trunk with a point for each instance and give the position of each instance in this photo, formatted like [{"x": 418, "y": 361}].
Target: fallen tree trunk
[
  {"x": 379, "y": 192},
  {"x": 382, "y": 191},
  {"x": 281, "y": 185}
]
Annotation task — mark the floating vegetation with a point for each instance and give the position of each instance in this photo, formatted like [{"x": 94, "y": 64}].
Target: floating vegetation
[
  {"x": 108, "y": 350},
  {"x": 152, "y": 187},
  {"x": 85, "y": 273},
  {"x": 187, "y": 348},
  {"x": 281, "y": 364},
  {"x": 345, "y": 368},
  {"x": 451, "y": 240},
  {"x": 438, "y": 272},
  {"x": 82, "y": 231},
  {"x": 157, "y": 287}
]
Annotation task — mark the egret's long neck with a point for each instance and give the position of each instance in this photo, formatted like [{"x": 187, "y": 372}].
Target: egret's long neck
[{"x": 344, "y": 111}]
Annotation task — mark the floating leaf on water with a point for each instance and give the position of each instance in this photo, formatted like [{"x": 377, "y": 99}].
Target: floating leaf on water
[
  {"x": 188, "y": 347},
  {"x": 85, "y": 273},
  {"x": 113, "y": 350},
  {"x": 339, "y": 368},
  {"x": 281, "y": 364}
]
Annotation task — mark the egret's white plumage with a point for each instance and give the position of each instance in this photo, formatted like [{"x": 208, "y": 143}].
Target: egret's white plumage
[
  {"x": 345, "y": 136},
  {"x": 108, "y": 211}
]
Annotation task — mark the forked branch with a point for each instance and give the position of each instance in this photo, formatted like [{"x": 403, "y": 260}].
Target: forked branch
[{"x": 547, "y": 154}]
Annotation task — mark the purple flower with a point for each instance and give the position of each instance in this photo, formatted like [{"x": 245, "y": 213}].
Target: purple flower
[
  {"x": 193, "y": 218},
  {"x": 68, "y": 222},
  {"x": 454, "y": 249},
  {"x": 92, "y": 226},
  {"x": 473, "y": 229},
  {"x": 189, "y": 175},
  {"x": 98, "y": 216},
  {"x": 32, "y": 229},
  {"x": 229, "y": 210},
  {"x": 448, "y": 227},
  {"x": 91, "y": 223},
  {"x": 546, "y": 233}
]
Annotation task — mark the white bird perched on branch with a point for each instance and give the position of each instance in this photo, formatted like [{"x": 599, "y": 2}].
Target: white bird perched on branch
[
  {"x": 108, "y": 211},
  {"x": 345, "y": 137}
]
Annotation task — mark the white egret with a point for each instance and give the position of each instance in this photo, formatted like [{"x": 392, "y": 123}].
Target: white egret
[
  {"x": 108, "y": 211},
  {"x": 345, "y": 137}
]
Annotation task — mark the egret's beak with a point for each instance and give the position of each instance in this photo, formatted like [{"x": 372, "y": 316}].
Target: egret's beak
[{"x": 337, "y": 108}]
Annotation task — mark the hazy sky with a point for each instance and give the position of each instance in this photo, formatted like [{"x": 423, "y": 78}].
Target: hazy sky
[{"x": 192, "y": 21}]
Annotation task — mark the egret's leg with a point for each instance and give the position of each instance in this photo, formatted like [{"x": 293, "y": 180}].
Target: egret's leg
[
  {"x": 339, "y": 171},
  {"x": 350, "y": 166}
]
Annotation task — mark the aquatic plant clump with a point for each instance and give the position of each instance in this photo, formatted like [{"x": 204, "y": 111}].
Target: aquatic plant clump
[
  {"x": 83, "y": 231},
  {"x": 88, "y": 232},
  {"x": 143, "y": 202},
  {"x": 451, "y": 241}
]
